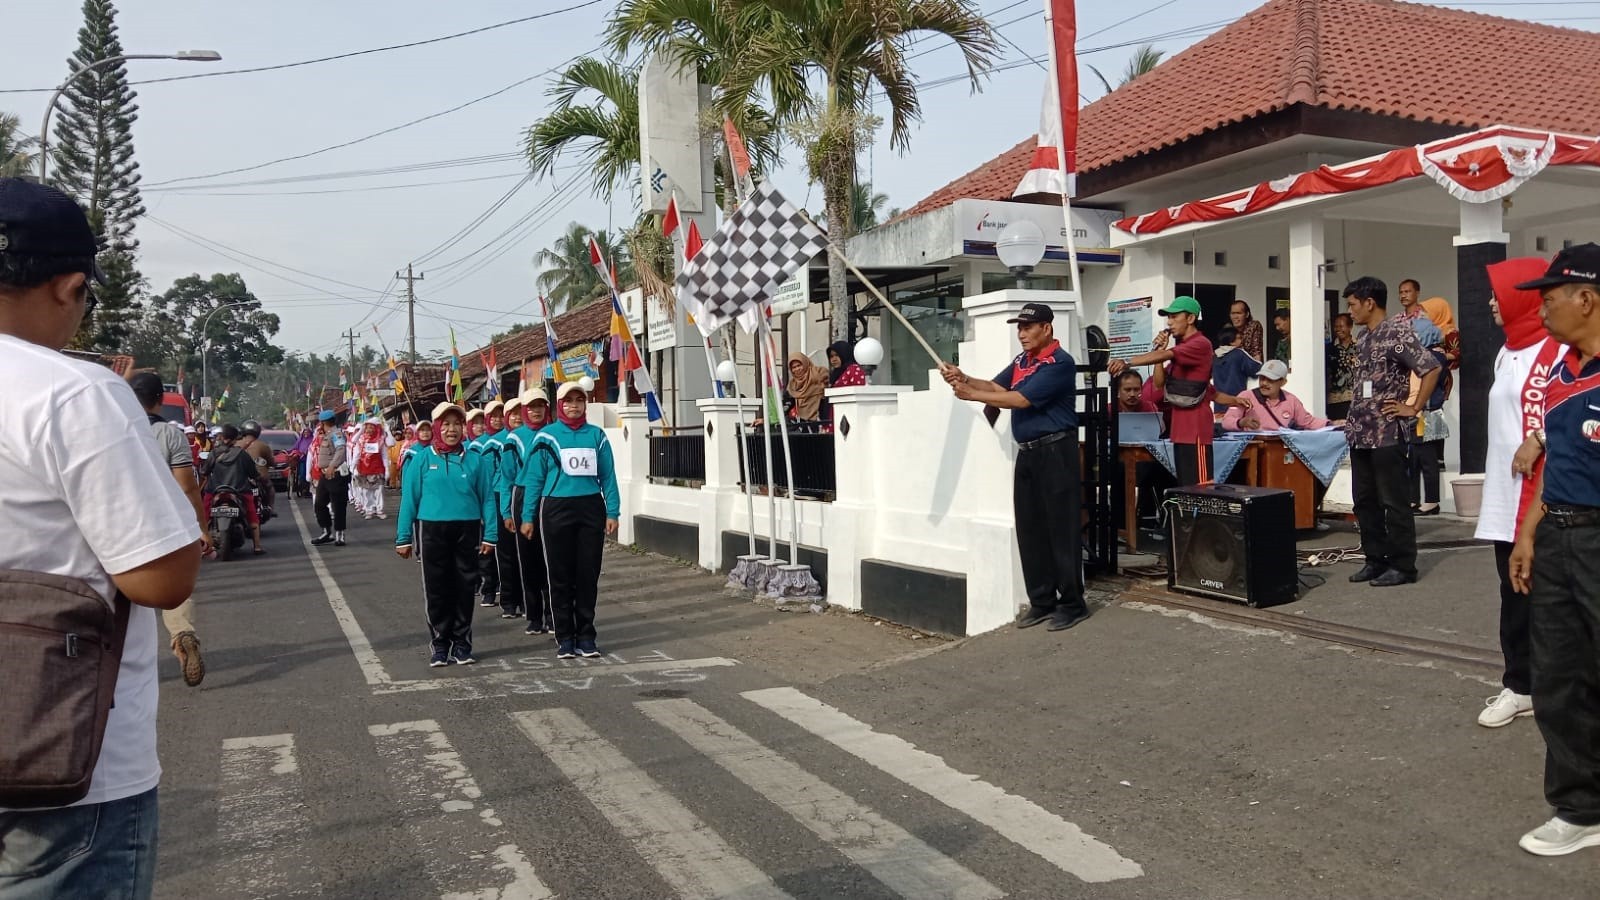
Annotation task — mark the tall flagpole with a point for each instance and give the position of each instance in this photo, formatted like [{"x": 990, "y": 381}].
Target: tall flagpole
[{"x": 1064, "y": 30}]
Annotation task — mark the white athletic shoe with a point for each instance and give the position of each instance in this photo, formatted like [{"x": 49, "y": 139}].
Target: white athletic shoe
[
  {"x": 1502, "y": 708},
  {"x": 1558, "y": 838}
]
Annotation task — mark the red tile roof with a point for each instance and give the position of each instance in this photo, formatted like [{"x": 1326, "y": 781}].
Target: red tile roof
[
  {"x": 586, "y": 323},
  {"x": 1405, "y": 60}
]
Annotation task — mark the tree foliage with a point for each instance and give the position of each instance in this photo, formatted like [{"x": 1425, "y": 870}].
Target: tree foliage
[
  {"x": 1142, "y": 62},
  {"x": 16, "y": 149},
  {"x": 568, "y": 279},
  {"x": 92, "y": 157},
  {"x": 218, "y": 315}
]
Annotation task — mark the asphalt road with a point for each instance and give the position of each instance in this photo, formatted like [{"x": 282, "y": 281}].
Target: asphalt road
[{"x": 725, "y": 749}]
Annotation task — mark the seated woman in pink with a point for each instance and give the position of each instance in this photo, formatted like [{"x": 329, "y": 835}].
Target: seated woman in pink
[{"x": 1269, "y": 407}]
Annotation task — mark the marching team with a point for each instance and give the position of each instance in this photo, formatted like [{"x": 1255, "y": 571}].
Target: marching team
[{"x": 509, "y": 506}]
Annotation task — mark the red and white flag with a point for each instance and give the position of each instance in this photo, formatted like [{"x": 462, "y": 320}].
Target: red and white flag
[
  {"x": 1051, "y": 171},
  {"x": 669, "y": 219}
]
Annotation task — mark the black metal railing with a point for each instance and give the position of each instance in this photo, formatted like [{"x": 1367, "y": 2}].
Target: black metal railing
[
  {"x": 679, "y": 457},
  {"x": 812, "y": 452}
]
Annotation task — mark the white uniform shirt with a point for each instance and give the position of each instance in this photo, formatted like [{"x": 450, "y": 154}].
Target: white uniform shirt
[
  {"x": 85, "y": 492},
  {"x": 1502, "y": 489}
]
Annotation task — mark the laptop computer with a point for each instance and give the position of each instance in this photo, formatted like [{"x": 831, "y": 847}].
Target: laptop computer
[{"x": 1138, "y": 427}]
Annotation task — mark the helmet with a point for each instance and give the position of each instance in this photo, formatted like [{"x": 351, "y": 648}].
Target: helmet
[{"x": 251, "y": 427}]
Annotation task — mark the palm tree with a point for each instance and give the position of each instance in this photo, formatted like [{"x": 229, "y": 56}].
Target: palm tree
[
  {"x": 568, "y": 278},
  {"x": 866, "y": 209},
  {"x": 855, "y": 48},
  {"x": 605, "y": 132},
  {"x": 16, "y": 150},
  {"x": 1143, "y": 61}
]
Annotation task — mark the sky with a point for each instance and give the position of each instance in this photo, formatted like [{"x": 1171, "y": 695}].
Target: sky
[{"x": 348, "y": 241}]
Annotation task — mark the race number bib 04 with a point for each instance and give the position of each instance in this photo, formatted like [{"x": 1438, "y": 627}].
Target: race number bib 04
[{"x": 580, "y": 462}]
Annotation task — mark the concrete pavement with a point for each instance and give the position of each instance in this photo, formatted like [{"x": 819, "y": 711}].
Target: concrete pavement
[{"x": 727, "y": 749}]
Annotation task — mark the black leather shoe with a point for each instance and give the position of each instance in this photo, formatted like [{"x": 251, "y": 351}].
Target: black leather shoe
[
  {"x": 1392, "y": 578},
  {"x": 1367, "y": 573},
  {"x": 323, "y": 538},
  {"x": 1034, "y": 616},
  {"x": 1063, "y": 618}
]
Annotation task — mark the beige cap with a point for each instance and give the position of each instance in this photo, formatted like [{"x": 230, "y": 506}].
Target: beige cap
[
  {"x": 534, "y": 395},
  {"x": 474, "y": 414},
  {"x": 441, "y": 409},
  {"x": 512, "y": 405},
  {"x": 494, "y": 407},
  {"x": 570, "y": 387}
]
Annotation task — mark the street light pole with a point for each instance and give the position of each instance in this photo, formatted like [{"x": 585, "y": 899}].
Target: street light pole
[
  {"x": 205, "y": 343},
  {"x": 44, "y": 128}
]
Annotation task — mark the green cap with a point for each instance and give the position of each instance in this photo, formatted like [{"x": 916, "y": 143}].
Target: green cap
[{"x": 1182, "y": 304}]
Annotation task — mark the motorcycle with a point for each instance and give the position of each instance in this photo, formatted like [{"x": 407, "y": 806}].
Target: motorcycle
[
  {"x": 227, "y": 524},
  {"x": 263, "y": 510}
]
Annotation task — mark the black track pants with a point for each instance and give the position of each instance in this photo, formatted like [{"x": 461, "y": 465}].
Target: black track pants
[
  {"x": 505, "y": 558},
  {"x": 530, "y": 559},
  {"x": 449, "y": 555},
  {"x": 574, "y": 534}
]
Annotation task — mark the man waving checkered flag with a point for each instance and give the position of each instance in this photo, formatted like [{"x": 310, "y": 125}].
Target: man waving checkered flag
[{"x": 764, "y": 242}]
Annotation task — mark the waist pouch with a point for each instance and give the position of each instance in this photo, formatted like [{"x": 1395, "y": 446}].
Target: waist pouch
[
  {"x": 60, "y": 649},
  {"x": 1185, "y": 393}
]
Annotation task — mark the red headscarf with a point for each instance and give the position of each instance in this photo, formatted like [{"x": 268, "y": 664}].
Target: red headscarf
[
  {"x": 439, "y": 445},
  {"x": 1519, "y": 309}
]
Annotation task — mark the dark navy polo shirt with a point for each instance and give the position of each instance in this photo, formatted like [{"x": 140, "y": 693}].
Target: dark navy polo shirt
[
  {"x": 1052, "y": 397},
  {"x": 1572, "y": 434}
]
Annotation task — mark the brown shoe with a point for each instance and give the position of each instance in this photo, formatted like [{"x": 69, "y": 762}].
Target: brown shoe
[{"x": 186, "y": 647}]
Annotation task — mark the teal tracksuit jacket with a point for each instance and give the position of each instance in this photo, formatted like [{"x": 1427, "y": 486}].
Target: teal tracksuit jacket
[
  {"x": 514, "y": 450},
  {"x": 454, "y": 487},
  {"x": 551, "y": 470}
]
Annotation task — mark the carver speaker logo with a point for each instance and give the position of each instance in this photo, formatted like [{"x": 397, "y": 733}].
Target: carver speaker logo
[{"x": 1214, "y": 585}]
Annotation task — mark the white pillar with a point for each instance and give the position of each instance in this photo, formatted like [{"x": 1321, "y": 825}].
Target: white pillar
[
  {"x": 863, "y": 421},
  {"x": 1308, "y": 314},
  {"x": 630, "y": 451},
  {"x": 721, "y": 498}
]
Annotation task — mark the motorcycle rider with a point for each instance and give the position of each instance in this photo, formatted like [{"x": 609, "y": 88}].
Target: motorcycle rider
[
  {"x": 231, "y": 468},
  {"x": 250, "y": 442}
]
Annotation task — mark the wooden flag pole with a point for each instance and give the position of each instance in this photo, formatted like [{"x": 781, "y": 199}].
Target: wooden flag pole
[{"x": 889, "y": 306}]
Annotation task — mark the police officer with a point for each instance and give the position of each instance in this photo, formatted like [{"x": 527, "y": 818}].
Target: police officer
[
  {"x": 1563, "y": 533},
  {"x": 1038, "y": 388}
]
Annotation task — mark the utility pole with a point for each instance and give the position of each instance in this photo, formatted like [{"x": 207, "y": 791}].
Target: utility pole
[
  {"x": 411, "y": 308},
  {"x": 351, "y": 335}
]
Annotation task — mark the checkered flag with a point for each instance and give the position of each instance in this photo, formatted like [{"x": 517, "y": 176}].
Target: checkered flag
[{"x": 735, "y": 275}]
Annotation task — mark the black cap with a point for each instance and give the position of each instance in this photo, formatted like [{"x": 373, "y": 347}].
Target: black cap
[
  {"x": 1032, "y": 313},
  {"x": 1578, "y": 264},
  {"x": 40, "y": 221}
]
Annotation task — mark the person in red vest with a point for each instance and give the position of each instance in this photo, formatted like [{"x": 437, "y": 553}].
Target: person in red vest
[{"x": 372, "y": 469}]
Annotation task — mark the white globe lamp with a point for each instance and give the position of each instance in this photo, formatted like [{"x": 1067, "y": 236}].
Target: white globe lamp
[
  {"x": 869, "y": 355},
  {"x": 1020, "y": 248},
  {"x": 727, "y": 372}
]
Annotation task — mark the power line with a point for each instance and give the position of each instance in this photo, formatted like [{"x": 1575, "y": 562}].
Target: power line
[
  {"x": 181, "y": 231},
  {"x": 406, "y": 168},
  {"x": 375, "y": 134},
  {"x": 338, "y": 56},
  {"x": 360, "y": 190},
  {"x": 531, "y": 214},
  {"x": 477, "y": 221}
]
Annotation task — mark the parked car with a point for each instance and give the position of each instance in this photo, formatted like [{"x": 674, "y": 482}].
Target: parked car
[
  {"x": 281, "y": 443},
  {"x": 174, "y": 408}
]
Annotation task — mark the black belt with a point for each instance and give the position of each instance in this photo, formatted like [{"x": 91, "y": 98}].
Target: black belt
[
  {"x": 1572, "y": 516},
  {"x": 1047, "y": 440}
]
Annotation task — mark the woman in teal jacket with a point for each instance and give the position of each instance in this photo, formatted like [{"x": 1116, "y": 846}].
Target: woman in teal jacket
[
  {"x": 447, "y": 515},
  {"x": 569, "y": 481}
]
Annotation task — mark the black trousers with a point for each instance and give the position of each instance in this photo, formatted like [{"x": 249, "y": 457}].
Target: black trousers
[
  {"x": 1564, "y": 618},
  {"x": 573, "y": 530},
  {"x": 531, "y": 570},
  {"x": 487, "y": 583},
  {"x": 508, "y": 578},
  {"x": 1383, "y": 507},
  {"x": 449, "y": 555},
  {"x": 333, "y": 494},
  {"x": 1426, "y": 461},
  {"x": 1514, "y": 640},
  {"x": 1046, "y": 496},
  {"x": 1190, "y": 460}
]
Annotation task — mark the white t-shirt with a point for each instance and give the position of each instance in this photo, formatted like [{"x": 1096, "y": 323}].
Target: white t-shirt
[
  {"x": 85, "y": 492},
  {"x": 1502, "y": 488}
]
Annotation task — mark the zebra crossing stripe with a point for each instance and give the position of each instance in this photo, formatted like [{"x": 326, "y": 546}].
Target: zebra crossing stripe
[
  {"x": 262, "y": 821},
  {"x": 445, "y": 814},
  {"x": 901, "y": 861},
  {"x": 1017, "y": 819},
  {"x": 695, "y": 861}
]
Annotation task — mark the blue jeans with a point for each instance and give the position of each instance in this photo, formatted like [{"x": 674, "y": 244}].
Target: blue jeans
[{"x": 105, "y": 850}]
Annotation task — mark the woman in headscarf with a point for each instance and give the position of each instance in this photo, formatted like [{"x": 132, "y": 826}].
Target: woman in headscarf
[
  {"x": 1513, "y": 464},
  {"x": 1443, "y": 340},
  {"x": 372, "y": 470},
  {"x": 807, "y": 381},
  {"x": 298, "y": 485},
  {"x": 395, "y": 446},
  {"x": 447, "y": 516},
  {"x": 844, "y": 371}
]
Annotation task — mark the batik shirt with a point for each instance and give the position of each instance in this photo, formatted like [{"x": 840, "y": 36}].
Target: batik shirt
[{"x": 1386, "y": 356}]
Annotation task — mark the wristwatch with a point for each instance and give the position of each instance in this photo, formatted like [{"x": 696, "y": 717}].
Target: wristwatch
[{"x": 1539, "y": 436}]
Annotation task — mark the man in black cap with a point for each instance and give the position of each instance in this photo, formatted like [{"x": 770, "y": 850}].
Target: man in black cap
[
  {"x": 1047, "y": 491},
  {"x": 101, "y": 510},
  {"x": 1563, "y": 533}
]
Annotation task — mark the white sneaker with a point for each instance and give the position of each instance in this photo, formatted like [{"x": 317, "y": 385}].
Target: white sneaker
[
  {"x": 1500, "y": 709},
  {"x": 1558, "y": 838}
]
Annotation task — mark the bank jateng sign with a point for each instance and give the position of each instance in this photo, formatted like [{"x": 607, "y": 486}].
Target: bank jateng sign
[{"x": 978, "y": 224}]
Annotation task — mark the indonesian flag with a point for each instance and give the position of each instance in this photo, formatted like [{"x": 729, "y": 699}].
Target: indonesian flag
[
  {"x": 669, "y": 220},
  {"x": 1058, "y": 117},
  {"x": 741, "y": 156}
]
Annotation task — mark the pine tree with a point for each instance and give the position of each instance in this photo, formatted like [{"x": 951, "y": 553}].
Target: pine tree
[{"x": 92, "y": 157}]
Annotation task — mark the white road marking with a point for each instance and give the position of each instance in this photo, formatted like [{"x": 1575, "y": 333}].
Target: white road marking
[
  {"x": 445, "y": 814},
  {"x": 262, "y": 821},
  {"x": 895, "y": 857},
  {"x": 689, "y": 856},
  {"x": 1019, "y": 820},
  {"x": 367, "y": 658}
]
